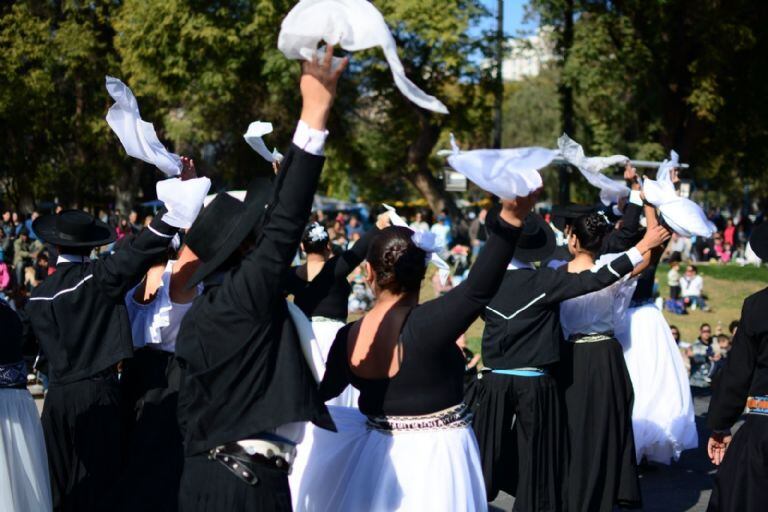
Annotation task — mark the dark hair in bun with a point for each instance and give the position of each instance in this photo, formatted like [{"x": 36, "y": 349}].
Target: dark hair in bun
[
  {"x": 590, "y": 230},
  {"x": 399, "y": 264},
  {"x": 315, "y": 239}
]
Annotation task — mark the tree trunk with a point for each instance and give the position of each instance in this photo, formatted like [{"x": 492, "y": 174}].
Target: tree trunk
[
  {"x": 565, "y": 42},
  {"x": 127, "y": 186}
]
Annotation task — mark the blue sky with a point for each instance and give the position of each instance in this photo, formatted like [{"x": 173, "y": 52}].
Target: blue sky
[{"x": 514, "y": 11}]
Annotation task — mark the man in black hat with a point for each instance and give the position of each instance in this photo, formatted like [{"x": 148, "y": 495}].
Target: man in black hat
[
  {"x": 246, "y": 388},
  {"x": 78, "y": 315},
  {"x": 740, "y": 483},
  {"x": 520, "y": 349}
]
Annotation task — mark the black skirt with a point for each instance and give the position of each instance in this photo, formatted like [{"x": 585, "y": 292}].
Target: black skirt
[
  {"x": 83, "y": 433},
  {"x": 155, "y": 452},
  {"x": 208, "y": 486},
  {"x": 524, "y": 457},
  {"x": 598, "y": 399},
  {"x": 741, "y": 482}
]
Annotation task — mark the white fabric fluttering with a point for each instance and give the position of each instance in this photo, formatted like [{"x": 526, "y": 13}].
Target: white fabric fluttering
[
  {"x": 354, "y": 25},
  {"x": 137, "y": 136},
  {"x": 610, "y": 190},
  {"x": 682, "y": 215},
  {"x": 254, "y": 137},
  {"x": 182, "y": 199},
  {"x": 507, "y": 173},
  {"x": 425, "y": 241},
  {"x": 308, "y": 341}
]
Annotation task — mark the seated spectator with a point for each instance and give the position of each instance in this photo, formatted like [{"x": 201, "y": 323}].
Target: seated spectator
[
  {"x": 42, "y": 268},
  {"x": 702, "y": 352},
  {"x": 354, "y": 226},
  {"x": 24, "y": 252},
  {"x": 692, "y": 288},
  {"x": 684, "y": 347},
  {"x": 5, "y": 276}
]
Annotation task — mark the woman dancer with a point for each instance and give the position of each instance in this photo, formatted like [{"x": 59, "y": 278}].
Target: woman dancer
[
  {"x": 412, "y": 448},
  {"x": 24, "y": 483},
  {"x": 662, "y": 417},
  {"x": 602, "y": 470}
]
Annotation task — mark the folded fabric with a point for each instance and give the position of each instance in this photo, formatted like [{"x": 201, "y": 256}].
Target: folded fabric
[
  {"x": 610, "y": 190},
  {"x": 354, "y": 25},
  {"x": 423, "y": 241},
  {"x": 507, "y": 173},
  {"x": 682, "y": 215},
  {"x": 253, "y": 136},
  {"x": 137, "y": 136},
  {"x": 310, "y": 347},
  {"x": 182, "y": 199}
]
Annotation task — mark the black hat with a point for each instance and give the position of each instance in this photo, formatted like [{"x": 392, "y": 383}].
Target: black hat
[
  {"x": 223, "y": 225},
  {"x": 537, "y": 242},
  {"x": 73, "y": 228},
  {"x": 561, "y": 214},
  {"x": 758, "y": 241}
]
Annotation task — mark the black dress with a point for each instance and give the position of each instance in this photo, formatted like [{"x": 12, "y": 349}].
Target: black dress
[
  {"x": 243, "y": 372},
  {"x": 742, "y": 479},
  {"x": 79, "y": 317},
  {"x": 522, "y": 330}
]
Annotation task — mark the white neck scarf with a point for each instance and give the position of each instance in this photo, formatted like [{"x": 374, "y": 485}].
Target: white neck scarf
[
  {"x": 610, "y": 190},
  {"x": 354, "y": 25},
  {"x": 137, "y": 136}
]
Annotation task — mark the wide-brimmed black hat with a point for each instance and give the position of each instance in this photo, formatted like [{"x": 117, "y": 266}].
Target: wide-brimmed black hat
[
  {"x": 73, "y": 228},
  {"x": 561, "y": 214},
  {"x": 537, "y": 242},
  {"x": 223, "y": 225},
  {"x": 758, "y": 241}
]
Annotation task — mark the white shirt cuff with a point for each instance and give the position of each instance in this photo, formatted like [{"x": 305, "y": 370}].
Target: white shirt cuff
[
  {"x": 635, "y": 256},
  {"x": 310, "y": 140},
  {"x": 634, "y": 198}
]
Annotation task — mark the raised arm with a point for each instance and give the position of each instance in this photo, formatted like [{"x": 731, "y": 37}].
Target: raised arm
[
  {"x": 624, "y": 237},
  {"x": 653, "y": 256}
]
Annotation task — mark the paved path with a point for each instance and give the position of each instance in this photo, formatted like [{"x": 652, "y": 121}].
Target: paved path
[{"x": 683, "y": 486}]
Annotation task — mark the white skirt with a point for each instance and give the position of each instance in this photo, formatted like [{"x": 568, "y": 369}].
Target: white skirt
[
  {"x": 24, "y": 481},
  {"x": 359, "y": 468},
  {"x": 325, "y": 333},
  {"x": 663, "y": 415}
]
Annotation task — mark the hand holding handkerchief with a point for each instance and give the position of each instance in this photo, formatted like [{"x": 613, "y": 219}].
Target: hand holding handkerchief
[
  {"x": 354, "y": 25},
  {"x": 137, "y": 136},
  {"x": 182, "y": 199}
]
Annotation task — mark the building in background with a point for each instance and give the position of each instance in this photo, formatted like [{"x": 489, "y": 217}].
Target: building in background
[{"x": 527, "y": 56}]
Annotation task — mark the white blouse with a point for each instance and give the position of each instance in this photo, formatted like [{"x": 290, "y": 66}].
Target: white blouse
[
  {"x": 600, "y": 312},
  {"x": 157, "y": 323}
]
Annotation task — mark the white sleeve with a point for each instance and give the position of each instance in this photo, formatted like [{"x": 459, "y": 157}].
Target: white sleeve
[{"x": 310, "y": 140}]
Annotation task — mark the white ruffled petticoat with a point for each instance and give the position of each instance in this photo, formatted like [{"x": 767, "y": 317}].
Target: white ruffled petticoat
[
  {"x": 24, "y": 481},
  {"x": 364, "y": 468},
  {"x": 663, "y": 415}
]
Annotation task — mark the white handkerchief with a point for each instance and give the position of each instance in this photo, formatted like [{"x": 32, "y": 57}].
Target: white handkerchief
[
  {"x": 610, "y": 190},
  {"x": 183, "y": 200},
  {"x": 137, "y": 136},
  {"x": 684, "y": 216},
  {"x": 662, "y": 174},
  {"x": 507, "y": 173},
  {"x": 354, "y": 25},
  {"x": 253, "y": 136}
]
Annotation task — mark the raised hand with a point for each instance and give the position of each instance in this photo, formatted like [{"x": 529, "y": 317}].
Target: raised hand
[
  {"x": 318, "y": 88},
  {"x": 514, "y": 211},
  {"x": 188, "y": 170},
  {"x": 654, "y": 237}
]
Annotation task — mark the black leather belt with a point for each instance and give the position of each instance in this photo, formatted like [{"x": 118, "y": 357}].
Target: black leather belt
[{"x": 241, "y": 463}]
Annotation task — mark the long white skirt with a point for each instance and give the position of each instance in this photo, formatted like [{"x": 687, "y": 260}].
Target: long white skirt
[
  {"x": 663, "y": 415},
  {"x": 24, "y": 481},
  {"x": 359, "y": 468}
]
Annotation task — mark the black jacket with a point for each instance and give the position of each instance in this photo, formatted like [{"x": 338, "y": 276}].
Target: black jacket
[
  {"x": 522, "y": 322},
  {"x": 745, "y": 373},
  {"x": 626, "y": 236},
  {"x": 243, "y": 371},
  {"x": 78, "y": 313}
]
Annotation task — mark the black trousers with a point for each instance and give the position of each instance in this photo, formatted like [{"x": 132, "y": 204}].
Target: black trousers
[
  {"x": 525, "y": 460},
  {"x": 82, "y": 429},
  {"x": 206, "y": 485}
]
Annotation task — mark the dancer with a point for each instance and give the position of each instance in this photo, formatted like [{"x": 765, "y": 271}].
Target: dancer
[
  {"x": 24, "y": 483},
  {"x": 410, "y": 447},
  {"x": 740, "y": 483},
  {"x": 521, "y": 348},
  {"x": 663, "y": 417},
  {"x": 246, "y": 389},
  {"x": 78, "y": 315},
  {"x": 602, "y": 471},
  {"x": 150, "y": 383}
]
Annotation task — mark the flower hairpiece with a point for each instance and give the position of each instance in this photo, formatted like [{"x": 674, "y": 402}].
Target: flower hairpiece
[{"x": 317, "y": 233}]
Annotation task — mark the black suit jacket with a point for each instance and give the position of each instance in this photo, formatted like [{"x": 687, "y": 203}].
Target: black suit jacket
[
  {"x": 619, "y": 240},
  {"x": 746, "y": 371},
  {"x": 243, "y": 371}
]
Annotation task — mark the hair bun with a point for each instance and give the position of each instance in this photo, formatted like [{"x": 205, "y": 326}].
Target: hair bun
[{"x": 399, "y": 264}]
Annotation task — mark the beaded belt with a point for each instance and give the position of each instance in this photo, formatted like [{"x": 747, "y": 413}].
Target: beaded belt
[
  {"x": 457, "y": 416},
  {"x": 757, "y": 405},
  {"x": 13, "y": 375},
  {"x": 590, "y": 338}
]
